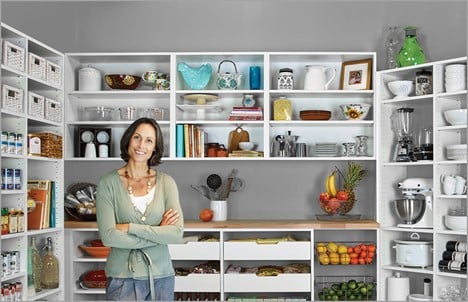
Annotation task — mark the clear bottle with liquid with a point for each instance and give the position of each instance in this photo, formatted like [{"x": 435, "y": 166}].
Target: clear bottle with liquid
[
  {"x": 36, "y": 265},
  {"x": 50, "y": 267}
]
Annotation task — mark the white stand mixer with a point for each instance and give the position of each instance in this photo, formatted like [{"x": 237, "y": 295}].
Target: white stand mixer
[{"x": 415, "y": 212}]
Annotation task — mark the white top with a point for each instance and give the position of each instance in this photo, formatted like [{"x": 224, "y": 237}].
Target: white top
[{"x": 142, "y": 202}]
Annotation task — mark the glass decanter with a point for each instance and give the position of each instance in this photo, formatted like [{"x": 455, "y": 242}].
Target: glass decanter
[
  {"x": 36, "y": 265},
  {"x": 411, "y": 52},
  {"x": 392, "y": 46},
  {"x": 50, "y": 267}
]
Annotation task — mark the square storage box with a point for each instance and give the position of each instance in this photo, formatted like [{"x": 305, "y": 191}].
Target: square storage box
[
  {"x": 12, "y": 98},
  {"x": 51, "y": 144},
  {"x": 36, "y": 105},
  {"x": 283, "y": 250},
  {"x": 97, "y": 136},
  {"x": 53, "y": 110},
  {"x": 53, "y": 73},
  {"x": 198, "y": 283},
  {"x": 13, "y": 56},
  {"x": 37, "y": 66}
]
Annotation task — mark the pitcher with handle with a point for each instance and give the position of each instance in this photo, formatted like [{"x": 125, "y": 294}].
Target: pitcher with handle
[
  {"x": 316, "y": 77},
  {"x": 449, "y": 184}
]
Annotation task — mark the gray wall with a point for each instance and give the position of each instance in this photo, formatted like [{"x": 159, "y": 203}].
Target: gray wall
[{"x": 273, "y": 189}]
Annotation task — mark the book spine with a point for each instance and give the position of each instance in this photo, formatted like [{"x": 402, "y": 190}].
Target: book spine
[{"x": 180, "y": 149}]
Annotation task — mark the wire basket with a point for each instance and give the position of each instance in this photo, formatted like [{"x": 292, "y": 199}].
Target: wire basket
[
  {"x": 12, "y": 98},
  {"x": 37, "y": 66},
  {"x": 13, "y": 56},
  {"x": 345, "y": 288}
]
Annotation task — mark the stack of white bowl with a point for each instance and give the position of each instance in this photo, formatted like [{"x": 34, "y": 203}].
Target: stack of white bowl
[{"x": 455, "y": 77}]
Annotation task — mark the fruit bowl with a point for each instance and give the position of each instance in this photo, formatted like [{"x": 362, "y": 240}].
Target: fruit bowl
[{"x": 334, "y": 206}]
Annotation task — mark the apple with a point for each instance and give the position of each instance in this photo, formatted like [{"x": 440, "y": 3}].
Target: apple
[
  {"x": 206, "y": 215},
  {"x": 342, "y": 195},
  {"x": 324, "y": 196}
]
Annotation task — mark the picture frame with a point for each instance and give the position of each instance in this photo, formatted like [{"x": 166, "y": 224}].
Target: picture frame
[{"x": 356, "y": 75}]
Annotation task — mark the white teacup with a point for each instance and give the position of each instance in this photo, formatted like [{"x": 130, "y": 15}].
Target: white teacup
[
  {"x": 460, "y": 187},
  {"x": 449, "y": 184}
]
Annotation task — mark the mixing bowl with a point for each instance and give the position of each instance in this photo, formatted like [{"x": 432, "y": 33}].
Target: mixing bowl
[
  {"x": 401, "y": 89},
  {"x": 410, "y": 210},
  {"x": 455, "y": 116},
  {"x": 357, "y": 111}
]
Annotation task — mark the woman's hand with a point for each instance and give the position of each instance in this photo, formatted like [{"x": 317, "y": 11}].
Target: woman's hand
[
  {"x": 170, "y": 217},
  {"x": 122, "y": 227}
]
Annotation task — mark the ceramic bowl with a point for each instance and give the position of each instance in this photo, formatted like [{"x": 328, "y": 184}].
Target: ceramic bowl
[
  {"x": 93, "y": 279},
  {"x": 456, "y": 116},
  {"x": 318, "y": 115},
  {"x": 96, "y": 251},
  {"x": 456, "y": 223},
  {"x": 457, "y": 152},
  {"x": 246, "y": 146},
  {"x": 401, "y": 89},
  {"x": 122, "y": 81},
  {"x": 356, "y": 111}
]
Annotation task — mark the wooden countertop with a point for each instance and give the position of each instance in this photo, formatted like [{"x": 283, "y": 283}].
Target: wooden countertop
[{"x": 257, "y": 224}]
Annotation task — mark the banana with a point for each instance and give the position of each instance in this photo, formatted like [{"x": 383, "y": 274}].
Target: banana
[
  {"x": 331, "y": 184},
  {"x": 327, "y": 185}
]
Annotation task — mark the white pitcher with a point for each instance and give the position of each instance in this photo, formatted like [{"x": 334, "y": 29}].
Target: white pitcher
[
  {"x": 449, "y": 184},
  {"x": 316, "y": 77}
]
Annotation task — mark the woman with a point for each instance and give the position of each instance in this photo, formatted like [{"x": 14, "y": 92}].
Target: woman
[{"x": 138, "y": 215}]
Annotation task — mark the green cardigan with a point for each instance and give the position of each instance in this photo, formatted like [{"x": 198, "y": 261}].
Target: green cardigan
[{"x": 114, "y": 206}]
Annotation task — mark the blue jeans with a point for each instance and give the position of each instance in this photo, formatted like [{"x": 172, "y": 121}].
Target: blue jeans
[{"x": 128, "y": 289}]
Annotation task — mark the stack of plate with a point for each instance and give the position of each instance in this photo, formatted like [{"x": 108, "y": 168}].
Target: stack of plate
[
  {"x": 457, "y": 152},
  {"x": 455, "y": 77},
  {"x": 318, "y": 115},
  {"x": 325, "y": 149}
]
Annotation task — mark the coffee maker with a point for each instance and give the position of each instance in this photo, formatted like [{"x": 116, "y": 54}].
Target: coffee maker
[{"x": 415, "y": 209}]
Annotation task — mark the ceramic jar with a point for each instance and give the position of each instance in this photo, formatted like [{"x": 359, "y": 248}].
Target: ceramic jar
[{"x": 89, "y": 79}]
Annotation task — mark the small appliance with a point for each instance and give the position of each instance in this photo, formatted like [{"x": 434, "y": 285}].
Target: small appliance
[
  {"x": 403, "y": 125},
  {"x": 416, "y": 212}
]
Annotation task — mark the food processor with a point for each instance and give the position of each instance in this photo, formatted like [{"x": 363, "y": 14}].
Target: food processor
[
  {"x": 403, "y": 125},
  {"x": 415, "y": 211}
]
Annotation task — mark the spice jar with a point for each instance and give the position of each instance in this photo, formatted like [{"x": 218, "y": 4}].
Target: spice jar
[
  {"x": 285, "y": 79},
  {"x": 423, "y": 82}
]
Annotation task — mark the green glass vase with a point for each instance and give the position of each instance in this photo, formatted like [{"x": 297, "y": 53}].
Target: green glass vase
[{"x": 411, "y": 52}]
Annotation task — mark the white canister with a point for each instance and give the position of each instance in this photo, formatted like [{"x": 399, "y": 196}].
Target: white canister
[
  {"x": 103, "y": 151},
  {"x": 398, "y": 287},
  {"x": 219, "y": 208},
  {"x": 89, "y": 79}
]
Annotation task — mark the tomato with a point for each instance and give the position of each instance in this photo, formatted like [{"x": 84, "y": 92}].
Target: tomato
[
  {"x": 350, "y": 250},
  {"x": 371, "y": 248},
  {"x": 363, "y": 247},
  {"x": 362, "y": 260},
  {"x": 357, "y": 249},
  {"x": 342, "y": 195},
  {"x": 324, "y": 196},
  {"x": 370, "y": 254},
  {"x": 354, "y": 260},
  {"x": 206, "y": 215},
  {"x": 333, "y": 203}
]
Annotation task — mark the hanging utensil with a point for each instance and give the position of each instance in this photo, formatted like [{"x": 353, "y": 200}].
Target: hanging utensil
[
  {"x": 214, "y": 181},
  {"x": 203, "y": 190},
  {"x": 227, "y": 188}
]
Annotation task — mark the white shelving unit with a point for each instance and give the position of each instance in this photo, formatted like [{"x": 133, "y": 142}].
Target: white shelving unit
[
  {"x": 32, "y": 167},
  {"x": 428, "y": 112}
]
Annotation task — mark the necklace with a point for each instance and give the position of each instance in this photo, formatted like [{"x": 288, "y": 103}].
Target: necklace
[{"x": 130, "y": 179}]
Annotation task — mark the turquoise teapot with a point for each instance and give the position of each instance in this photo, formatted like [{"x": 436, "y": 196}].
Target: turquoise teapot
[{"x": 228, "y": 80}]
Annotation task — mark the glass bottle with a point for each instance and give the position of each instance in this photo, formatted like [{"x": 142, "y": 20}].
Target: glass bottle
[
  {"x": 392, "y": 46},
  {"x": 50, "y": 267},
  {"x": 411, "y": 52},
  {"x": 36, "y": 265}
]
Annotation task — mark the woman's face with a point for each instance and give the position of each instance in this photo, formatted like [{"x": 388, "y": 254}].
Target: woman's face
[{"x": 142, "y": 143}]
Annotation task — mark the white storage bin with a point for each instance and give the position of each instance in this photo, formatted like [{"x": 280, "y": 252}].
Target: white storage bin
[
  {"x": 195, "y": 251},
  {"x": 13, "y": 56},
  {"x": 53, "y": 110},
  {"x": 281, "y": 283},
  {"x": 36, "y": 105},
  {"x": 198, "y": 283},
  {"x": 37, "y": 66},
  {"x": 283, "y": 250},
  {"x": 53, "y": 73},
  {"x": 12, "y": 98}
]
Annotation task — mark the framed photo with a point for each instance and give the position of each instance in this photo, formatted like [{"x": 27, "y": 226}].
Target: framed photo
[{"x": 356, "y": 75}]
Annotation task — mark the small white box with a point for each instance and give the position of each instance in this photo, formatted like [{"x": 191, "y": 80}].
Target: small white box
[
  {"x": 36, "y": 105},
  {"x": 53, "y": 110},
  {"x": 12, "y": 98},
  {"x": 37, "y": 66}
]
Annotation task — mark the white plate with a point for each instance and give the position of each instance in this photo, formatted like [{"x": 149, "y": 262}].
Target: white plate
[
  {"x": 102, "y": 137},
  {"x": 87, "y": 136},
  {"x": 206, "y": 108}
]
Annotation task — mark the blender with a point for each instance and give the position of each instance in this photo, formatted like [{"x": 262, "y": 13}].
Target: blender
[
  {"x": 416, "y": 212},
  {"x": 403, "y": 124}
]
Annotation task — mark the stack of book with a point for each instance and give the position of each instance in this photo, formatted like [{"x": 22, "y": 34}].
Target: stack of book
[
  {"x": 43, "y": 216},
  {"x": 239, "y": 113},
  {"x": 190, "y": 141}
]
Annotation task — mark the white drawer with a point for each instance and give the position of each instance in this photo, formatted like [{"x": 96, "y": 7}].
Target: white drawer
[
  {"x": 283, "y": 250},
  {"x": 195, "y": 251},
  {"x": 198, "y": 283},
  {"x": 254, "y": 283}
]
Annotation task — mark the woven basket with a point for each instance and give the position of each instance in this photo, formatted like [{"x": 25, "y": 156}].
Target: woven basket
[{"x": 51, "y": 144}]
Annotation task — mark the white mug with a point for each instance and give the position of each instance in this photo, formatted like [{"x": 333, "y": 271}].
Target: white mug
[
  {"x": 449, "y": 184},
  {"x": 103, "y": 151},
  {"x": 219, "y": 208},
  {"x": 90, "y": 151},
  {"x": 460, "y": 187}
]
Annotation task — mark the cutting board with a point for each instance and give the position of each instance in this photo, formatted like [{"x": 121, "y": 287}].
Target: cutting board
[{"x": 235, "y": 137}]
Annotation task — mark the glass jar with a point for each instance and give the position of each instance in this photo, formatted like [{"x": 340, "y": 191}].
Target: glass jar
[
  {"x": 423, "y": 82},
  {"x": 36, "y": 265},
  {"x": 411, "y": 52},
  {"x": 282, "y": 109}
]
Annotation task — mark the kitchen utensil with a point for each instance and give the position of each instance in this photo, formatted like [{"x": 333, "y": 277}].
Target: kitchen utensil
[
  {"x": 414, "y": 252},
  {"x": 203, "y": 190},
  {"x": 361, "y": 147},
  {"x": 227, "y": 188},
  {"x": 424, "y": 147},
  {"x": 150, "y": 76},
  {"x": 398, "y": 287},
  {"x": 316, "y": 77},
  {"x": 195, "y": 77},
  {"x": 98, "y": 113},
  {"x": 235, "y": 137},
  {"x": 301, "y": 150},
  {"x": 461, "y": 185},
  {"x": 214, "y": 181},
  {"x": 122, "y": 81},
  {"x": 227, "y": 80}
]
